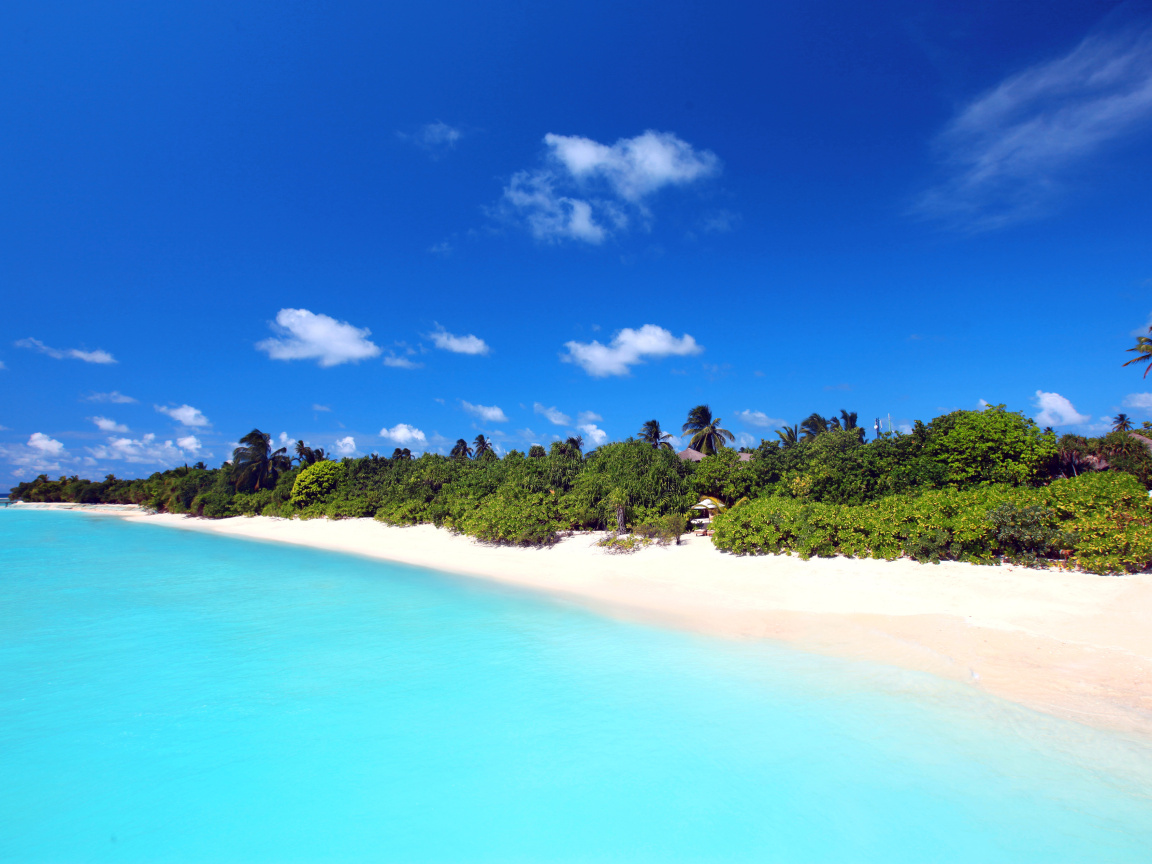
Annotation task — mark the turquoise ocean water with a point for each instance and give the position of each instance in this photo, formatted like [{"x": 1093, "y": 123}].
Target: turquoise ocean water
[{"x": 173, "y": 696}]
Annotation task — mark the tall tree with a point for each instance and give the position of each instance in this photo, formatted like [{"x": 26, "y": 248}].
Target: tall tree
[
  {"x": 1143, "y": 349},
  {"x": 461, "y": 450},
  {"x": 707, "y": 435},
  {"x": 789, "y": 435},
  {"x": 481, "y": 445},
  {"x": 1121, "y": 423},
  {"x": 651, "y": 433},
  {"x": 306, "y": 455},
  {"x": 404, "y": 455},
  {"x": 848, "y": 423},
  {"x": 575, "y": 443},
  {"x": 257, "y": 464},
  {"x": 813, "y": 425}
]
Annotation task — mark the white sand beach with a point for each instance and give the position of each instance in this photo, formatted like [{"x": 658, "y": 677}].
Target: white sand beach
[{"x": 1070, "y": 644}]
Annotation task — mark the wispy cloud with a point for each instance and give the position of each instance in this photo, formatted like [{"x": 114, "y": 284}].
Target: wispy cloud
[
  {"x": 146, "y": 450},
  {"x": 434, "y": 138},
  {"x": 490, "y": 413},
  {"x": 587, "y": 191},
  {"x": 760, "y": 419},
  {"x": 552, "y": 415},
  {"x": 469, "y": 344},
  {"x": 305, "y": 335},
  {"x": 185, "y": 415},
  {"x": 115, "y": 397},
  {"x": 1057, "y": 410},
  {"x": 1008, "y": 154},
  {"x": 628, "y": 348},
  {"x": 97, "y": 356},
  {"x": 105, "y": 424},
  {"x": 1142, "y": 401}
]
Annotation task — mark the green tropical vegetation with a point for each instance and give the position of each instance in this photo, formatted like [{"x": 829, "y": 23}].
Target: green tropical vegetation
[{"x": 984, "y": 485}]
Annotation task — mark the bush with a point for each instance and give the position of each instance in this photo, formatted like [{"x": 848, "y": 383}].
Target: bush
[
  {"x": 529, "y": 519},
  {"x": 1102, "y": 523},
  {"x": 316, "y": 483},
  {"x": 664, "y": 529},
  {"x": 623, "y": 544}
]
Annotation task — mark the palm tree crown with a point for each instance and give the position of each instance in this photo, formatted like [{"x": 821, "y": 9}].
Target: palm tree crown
[
  {"x": 707, "y": 434},
  {"x": 482, "y": 445},
  {"x": 1121, "y": 423},
  {"x": 257, "y": 463},
  {"x": 651, "y": 433},
  {"x": 306, "y": 455},
  {"x": 789, "y": 435},
  {"x": 1143, "y": 349},
  {"x": 461, "y": 450},
  {"x": 815, "y": 424}
]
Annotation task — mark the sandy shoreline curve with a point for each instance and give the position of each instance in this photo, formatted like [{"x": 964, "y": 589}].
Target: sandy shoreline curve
[{"x": 1073, "y": 645}]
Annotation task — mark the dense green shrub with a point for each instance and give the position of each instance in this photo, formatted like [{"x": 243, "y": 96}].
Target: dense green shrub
[
  {"x": 1102, "y": 521},
  {"x": 523, "y": 519},
  {"x": 315, "y": 483}
]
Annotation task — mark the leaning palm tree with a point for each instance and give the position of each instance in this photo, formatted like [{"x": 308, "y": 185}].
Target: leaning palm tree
[
  {"x": 651, "y": 433},
  {"x": 257, "y": 463},
  {"x": 1143, "y": 349},
  {"x": 707, "y": 434},
  {"x": 813, "y": 425},
  {"x": 461, "y": 450},
  {"x": 482, "y": 445},
  {"x": 789, "y": 435},
  {"x": 1121, "y": 423}
]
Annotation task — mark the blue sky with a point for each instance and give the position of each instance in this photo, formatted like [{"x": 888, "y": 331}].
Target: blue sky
[{"x": 400, "y": 224}]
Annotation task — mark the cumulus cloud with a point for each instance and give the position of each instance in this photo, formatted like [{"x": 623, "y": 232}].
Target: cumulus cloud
[
  {"x": 185, "y": 415},
  {"x": 146, "y": 450},
  {"x": 345, "y": 446},
  {"x": 403, "y": 435},
  {"x": 552, "y": 415},
  {"x": 97, "y": 356},
  {"x": 490, "y": 413},
  {"x": 759, "y": 418},
  {"x": 1138, "y": 400},
  {"x": 587, "y": 190},
  {"x": 115, "y": 397},
  {"x": 469, "y": 344},
  {"x": 593, "y": 433},
  {"x": 1009, "y": 152},
  {"x": 305, "y": 335},
  {"x": 41, "y": 454},
  {"x": 627, "y": 348},
  {"x": 189, "y": 443},
  {"x": 1056, "y": 410},
  {"x": 104, "y": 424},
  {"x": 744, "y": 439}
]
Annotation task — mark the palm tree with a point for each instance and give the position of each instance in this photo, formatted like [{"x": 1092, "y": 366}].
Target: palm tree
[
  {"x": 401, "y": 455},
  {"x": 707, "y": 434},
  {"x": 257, "y": 463},
  {"x": 482, "y": 445},
  {"x": 306, "y": 455},
  {"x": 848, "y": 423},
  {"x": 1121, "y": 423},
  {"x": 575, "y": 442},
  {"x": 651, "y": 433},
  {"x": 813, "y": 425},
  {"x": 789, "y": 435},
  {"x": 1143, "y": 349},
  {"x": 461, "y": 450}
]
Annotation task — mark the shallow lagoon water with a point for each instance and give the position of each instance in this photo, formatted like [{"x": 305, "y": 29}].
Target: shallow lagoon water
[{"x": 175, "y": 696}]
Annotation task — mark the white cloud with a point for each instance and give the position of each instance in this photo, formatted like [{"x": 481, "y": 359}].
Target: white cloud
[
  {"x": 906, "y": 428},
  {"x": 403, "y": 434},
  {"x": 586, "y": 189},
  {"x": 397, "y": 361},
  {"x": 189, "y": 443},
  {"x": 594, "y": 434},
  {"x": 145, "y": 450},
  {"x": 491, "y": 413},
  {"x": 984, "y": 403},
  {"x": 759, "y": 418},
  {"x": 48, "y": 446},
  {"x": 285, "y": 440},
  {"x": 437, "y": 138},
  {"x": 97, "y": 356},
  {"x": 552, "y": 415},
  {"x": 1138, "y": 400},
  {"x": 469, "y": 344},
  {"x": 345, "y": 446},
  {"x": 588, "y": 417},
  {"x": 115, "y": 397},
  {"x": 106, "y": 425},
  {"x": 1008, "y": 152},
  {"x": 185, "y": 415},
  {"x": 304, "y": 335},
  {"x": 1056, "y": 410},
  {"x": 627, "y": 348},
  {"x": 318, "y": 407},
  {"x": 744, "y": 439}
]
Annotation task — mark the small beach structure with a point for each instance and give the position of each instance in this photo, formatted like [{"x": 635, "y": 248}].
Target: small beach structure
[{"x": 705, "y": 509}]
